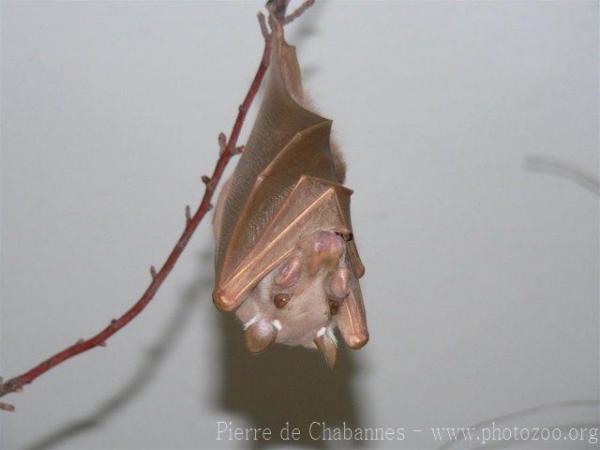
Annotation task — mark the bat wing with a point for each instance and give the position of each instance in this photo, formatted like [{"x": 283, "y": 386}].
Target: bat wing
[
  {"x": 285, "y": 186},
  {"x": 313, "y": 204},
  {"x": 279, "y": 121},
  {"x": 352, "y": 320}
]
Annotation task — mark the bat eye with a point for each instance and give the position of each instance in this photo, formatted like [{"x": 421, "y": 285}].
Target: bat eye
[
  {"x": 334, "y": 305},
  {"x": 281, "y": 300}
]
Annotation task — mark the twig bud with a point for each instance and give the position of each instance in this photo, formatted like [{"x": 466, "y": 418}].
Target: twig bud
[
  {"x": 222, "y": 143},
  {"x": 298, "y": 12},
  {"x": 7, "y": 407},
  {"x": 209, "y": 182}
]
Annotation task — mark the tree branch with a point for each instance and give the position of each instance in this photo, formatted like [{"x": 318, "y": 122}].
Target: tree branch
[
  {"x": 228, "y": 148},
  {"x": 298, "y": 12}
]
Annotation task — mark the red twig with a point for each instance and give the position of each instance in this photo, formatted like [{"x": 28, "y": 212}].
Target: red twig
[
  {"x": 228, "y": 149},
  {"x": 298, "y": 12}
]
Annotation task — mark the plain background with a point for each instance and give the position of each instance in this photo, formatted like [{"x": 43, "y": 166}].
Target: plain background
[{"x": 482, "y": 269}]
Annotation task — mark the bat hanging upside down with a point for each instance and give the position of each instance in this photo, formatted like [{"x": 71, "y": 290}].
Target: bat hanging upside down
[{"x": 286, "y": 259}]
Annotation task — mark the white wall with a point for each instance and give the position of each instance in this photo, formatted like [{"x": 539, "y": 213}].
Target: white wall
[{"x": 482, "y": 274}]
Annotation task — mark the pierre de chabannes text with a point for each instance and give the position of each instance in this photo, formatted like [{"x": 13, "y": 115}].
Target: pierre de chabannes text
[{"x": 316, "y": 431}]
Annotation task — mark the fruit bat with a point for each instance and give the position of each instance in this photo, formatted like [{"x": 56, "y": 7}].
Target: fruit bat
[{"x": 286, "y": 258}]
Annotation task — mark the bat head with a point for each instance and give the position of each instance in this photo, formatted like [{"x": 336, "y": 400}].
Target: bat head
[{"x": 297, "y": 302}]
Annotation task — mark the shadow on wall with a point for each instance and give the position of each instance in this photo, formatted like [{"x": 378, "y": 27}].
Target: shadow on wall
[
  {"x": 284, "y": 384},
  {"x": 146, "y": 371},
  {"x": 563, "y": 169}
]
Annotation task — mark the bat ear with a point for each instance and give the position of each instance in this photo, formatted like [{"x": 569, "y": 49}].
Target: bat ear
[
  {"x": 327, "y": 346},
  {"x": 259, "y": 335},
  {"x": 352, "y": 319}
]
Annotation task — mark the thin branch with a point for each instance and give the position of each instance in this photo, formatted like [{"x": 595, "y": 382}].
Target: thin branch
[
  {"x": 264, "y": 29},
  {"x": 277, "y": 8},
  {"x": 227, "y": 150},
  {"x": 298, "y": 11}
]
